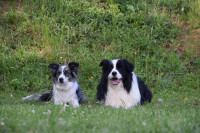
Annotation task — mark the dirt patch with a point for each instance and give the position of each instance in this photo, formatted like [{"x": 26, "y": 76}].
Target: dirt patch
[
  {"x": 3, "y": 7},
  {"x": 46, "y": 52},
  {"x": 189, "y": 39},
  {"x": 19, "y": 6},
  {"x": 5, "y": 4},
  {"x": 195, "y": 39}
]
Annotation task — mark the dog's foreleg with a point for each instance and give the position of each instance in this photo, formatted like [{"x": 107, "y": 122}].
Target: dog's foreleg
[
  {"x": 75, "y": 103},
  {"x": 57, "y": 101}
]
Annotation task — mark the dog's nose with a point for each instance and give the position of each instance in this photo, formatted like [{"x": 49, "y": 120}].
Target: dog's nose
[
  {"x": 114, "y": 73},
  {"x": 61, "y": 80}
]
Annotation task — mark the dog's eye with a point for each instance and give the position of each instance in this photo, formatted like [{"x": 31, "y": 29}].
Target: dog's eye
[
  {"x": 119, "y": 66},
  {"x": 111, "y": 66},
  {"x": 66, "y": 73},
  {"x": 58, "y": 73}
]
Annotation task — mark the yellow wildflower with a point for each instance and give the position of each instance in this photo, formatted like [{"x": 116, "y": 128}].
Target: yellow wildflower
[
  {"x": 185, "y": 99},
  {"x": 90, "y": 78}
]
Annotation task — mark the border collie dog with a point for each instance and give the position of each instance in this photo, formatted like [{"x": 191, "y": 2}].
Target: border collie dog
[
  {"x": 120, "y": 87},
  {"x": 66, "y": 89}
]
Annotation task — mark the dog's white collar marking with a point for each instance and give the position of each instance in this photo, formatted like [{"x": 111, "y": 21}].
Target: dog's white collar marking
[
  {"x": 117, "y": 96},
  {"x": 65, "y": 86}
]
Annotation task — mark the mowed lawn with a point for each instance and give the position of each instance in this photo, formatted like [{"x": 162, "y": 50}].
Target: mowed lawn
[
  {"x": 173, "y": 114},
  {"x": 159, "y": 37}
]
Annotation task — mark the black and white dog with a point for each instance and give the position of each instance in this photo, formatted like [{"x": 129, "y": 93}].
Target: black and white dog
[
  {"x": 120, "y": 87},
  {"x": 66, "y": 89}
]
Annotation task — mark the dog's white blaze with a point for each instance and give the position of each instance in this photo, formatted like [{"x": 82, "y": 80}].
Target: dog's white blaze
[
  {"x": 62, "y": 75},
  {"x": 65, "y": 93},
  {"x": 114, "y": 70},
  {"x": 117, "y": 96}
]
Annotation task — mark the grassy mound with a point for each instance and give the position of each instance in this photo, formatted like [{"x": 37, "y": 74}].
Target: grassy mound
[{"x": 147, "y": 33}]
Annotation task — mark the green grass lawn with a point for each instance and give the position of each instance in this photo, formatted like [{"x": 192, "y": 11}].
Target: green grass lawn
[
  {"x": 159, "y": 37},
  {"x": 174, "y": 114}
]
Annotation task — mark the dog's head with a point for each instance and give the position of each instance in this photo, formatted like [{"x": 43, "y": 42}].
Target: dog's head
[
  {"x": 64, "y": 74},
  {"x": 116, "y": 70}
]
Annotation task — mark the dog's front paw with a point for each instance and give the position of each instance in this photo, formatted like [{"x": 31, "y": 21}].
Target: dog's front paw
[
  {"x": 75, "y": 104},
  {"x": 58, "y": 102},
  {"x": 101, "y": 102}
]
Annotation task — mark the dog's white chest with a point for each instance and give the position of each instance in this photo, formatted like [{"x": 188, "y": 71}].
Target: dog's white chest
[
  {"x": 117, "y": 96},
  {"x": 64, "y": 96}
]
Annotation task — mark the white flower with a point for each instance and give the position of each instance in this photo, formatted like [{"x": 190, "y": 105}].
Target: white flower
[
  {"x": 47, "y": 113},
  {"x": 144, "y": 123},
  {"x": 33, "y": 111},
  {"x": 2, "y": 123},
  {"x": 160, "y": 100}
]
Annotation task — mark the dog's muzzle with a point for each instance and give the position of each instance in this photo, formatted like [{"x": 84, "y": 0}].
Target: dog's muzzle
[{"x": 61, "y": 80}]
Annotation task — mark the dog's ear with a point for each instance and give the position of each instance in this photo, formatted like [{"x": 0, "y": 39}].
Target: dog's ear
[
  {"x": 104, "y": 62},
  {"x": 54, "y": 66},
  {"x": 129, "y": 66},
  {"x": 74, "y": 66}
]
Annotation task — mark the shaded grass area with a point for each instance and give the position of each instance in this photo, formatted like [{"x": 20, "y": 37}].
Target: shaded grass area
[{"x": 36, "y": 33}]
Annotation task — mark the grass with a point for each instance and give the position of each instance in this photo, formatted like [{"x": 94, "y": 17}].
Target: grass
[
  {"x": 147, "y": 33},
  {"x": 155, "y": 117}
]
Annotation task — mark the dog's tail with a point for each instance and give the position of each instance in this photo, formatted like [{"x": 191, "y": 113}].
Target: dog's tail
[{"x": 37, "y": 97}]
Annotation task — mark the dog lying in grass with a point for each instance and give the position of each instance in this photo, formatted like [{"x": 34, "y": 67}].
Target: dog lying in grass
[
  {"x": 66, "y": 89},
  {"x": 120, "y": 87}
]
